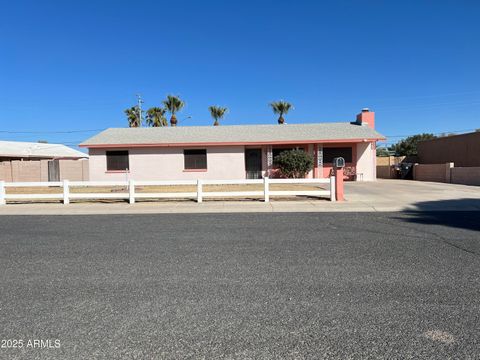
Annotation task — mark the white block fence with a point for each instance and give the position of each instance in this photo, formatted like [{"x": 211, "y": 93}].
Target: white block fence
[{"x": 198, "y": 195}]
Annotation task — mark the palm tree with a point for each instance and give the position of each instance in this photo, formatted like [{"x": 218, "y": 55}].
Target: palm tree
[
  {"x": 173, "y": 104},
  {"x": 217, "y": 113},
  {"x": 133, "y": 116},
  {"x": 281, "y": 107},
  {"x": 156, "y": 117}
]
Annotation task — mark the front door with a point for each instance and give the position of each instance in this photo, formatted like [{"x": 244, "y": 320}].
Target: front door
[{"x": 253, "y": 163}]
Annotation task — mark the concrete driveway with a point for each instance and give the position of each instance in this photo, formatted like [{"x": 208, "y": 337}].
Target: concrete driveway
[{"x": 399, "y": 195}]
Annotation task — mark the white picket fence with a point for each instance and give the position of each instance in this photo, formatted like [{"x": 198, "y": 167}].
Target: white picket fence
[{"x": 131, "y": 195}]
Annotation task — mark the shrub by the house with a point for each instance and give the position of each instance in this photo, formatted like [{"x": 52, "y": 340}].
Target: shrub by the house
[{"x": 294, "y": 163}]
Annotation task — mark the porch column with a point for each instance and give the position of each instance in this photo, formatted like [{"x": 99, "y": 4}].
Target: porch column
[{"x": 318, "y": 161}]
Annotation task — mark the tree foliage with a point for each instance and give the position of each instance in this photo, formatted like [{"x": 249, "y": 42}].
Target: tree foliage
[
  {"x": 156, "y": 117},
  {"x": 173, "y": 104},
  {"x": 217, "y": 113},
  {"x": 281, "y": 108},
  {"x": 134, "y": 117},
  {"x": 382, "y": 151},
  {"x": 294, "y": 163},
  {"x": 408, "y": 146}
]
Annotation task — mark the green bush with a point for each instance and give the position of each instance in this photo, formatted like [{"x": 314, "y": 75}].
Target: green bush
[{"x": 294, "y": 163}]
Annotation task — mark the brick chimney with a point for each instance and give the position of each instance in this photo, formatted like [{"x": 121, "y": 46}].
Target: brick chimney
[{"x": 366, "y": 118}]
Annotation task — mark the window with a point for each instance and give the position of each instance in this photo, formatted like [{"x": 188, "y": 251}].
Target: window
[
  {"x": 195, "y": 159},
  {"x": 330, "y": 153},
  {"x": 117, "y": 160}
]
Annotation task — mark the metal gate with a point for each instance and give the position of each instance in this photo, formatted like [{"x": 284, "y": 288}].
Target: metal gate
[
  {"x": 253, "y": 163},
  {"x": 53, "y": 170}
]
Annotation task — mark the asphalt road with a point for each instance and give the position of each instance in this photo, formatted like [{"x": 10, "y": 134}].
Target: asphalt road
[{"x": 259, "y": 286}]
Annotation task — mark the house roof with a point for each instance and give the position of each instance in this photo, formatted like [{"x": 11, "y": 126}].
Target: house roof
[
  {"x": 233, "y": 134},
  {"x": 38, "y": 150}
]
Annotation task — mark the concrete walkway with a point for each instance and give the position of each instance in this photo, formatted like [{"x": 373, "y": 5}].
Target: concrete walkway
[{"x": 382, "y": 195}]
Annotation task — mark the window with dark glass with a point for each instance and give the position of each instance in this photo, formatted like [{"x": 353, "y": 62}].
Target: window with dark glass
[
  {"x": 330, "y": 153},
  {"x": 195, "y": 159},
  {"x": 117, "y": 160}
]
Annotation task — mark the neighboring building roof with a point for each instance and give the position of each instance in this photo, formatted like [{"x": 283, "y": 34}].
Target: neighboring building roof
[
  {"x": 22, "y": 149},
  {"x": 236, "y": 134}
]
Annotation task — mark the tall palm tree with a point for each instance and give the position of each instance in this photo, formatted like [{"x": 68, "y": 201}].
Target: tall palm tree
[
  {"x": 133, "y": 116},
  {"x": 217, "y": 113},
  {"x": 156, "y": 117},
  {"x": 173, "y": 104},
  {"x": 281, "y": 108}
]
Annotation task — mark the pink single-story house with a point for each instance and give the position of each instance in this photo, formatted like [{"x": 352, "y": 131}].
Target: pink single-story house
[{"x": 231, "y": 152}]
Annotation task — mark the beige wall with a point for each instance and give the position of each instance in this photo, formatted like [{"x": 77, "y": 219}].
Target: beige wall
[
  {"x": 5, "y": 171},
  {"x": 167, "y": 163},
  {"x": 447, "y": 173},
  {"x": 74, "y": 170},
  {"x": 385, "y": 172},
  {"x": 37, "y": 170},
  {"x": 28, "y": 171},
  {"x": 389, "y": 160}
]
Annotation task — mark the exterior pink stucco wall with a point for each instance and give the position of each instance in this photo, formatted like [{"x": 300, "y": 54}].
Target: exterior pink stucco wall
[
  {"x": 366, "y": 161},
  {"x": 223, "y": 162},
  {"x": 167, "y": 163}
]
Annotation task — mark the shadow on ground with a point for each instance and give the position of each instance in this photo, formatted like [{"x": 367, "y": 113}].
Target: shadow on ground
[{"x": 459, "y": 213}]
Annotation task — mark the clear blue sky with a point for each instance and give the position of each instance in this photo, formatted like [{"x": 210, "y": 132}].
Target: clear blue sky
[{"x": 76, "y": 65}]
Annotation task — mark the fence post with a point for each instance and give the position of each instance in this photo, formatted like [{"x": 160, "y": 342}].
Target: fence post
[
  {"x": 332, "y": 189},
  {"x": 339, "y": 184},
  {"x": 66, "y": 192},
  {"x": 266, "y": 189},
  {"x": 2, "y": 193},
  {"x": 199, "y": 191},
  {"x": 131, "y": 191}
]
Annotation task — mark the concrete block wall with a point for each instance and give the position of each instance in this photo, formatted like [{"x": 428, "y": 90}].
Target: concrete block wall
[
  {"x": 447, "y": 173},
  {"x": 37, "y": 170},
  {"x": 432, "y": 172},
  {"x": 27, "y": 171},
  {"x": 5, "y": 171},
  {"x": 465, "y": 175},
  {"x": 73, "y": 170}
]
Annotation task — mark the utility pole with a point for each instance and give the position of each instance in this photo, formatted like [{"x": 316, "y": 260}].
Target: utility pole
[{"x": 140, "y": 102}]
